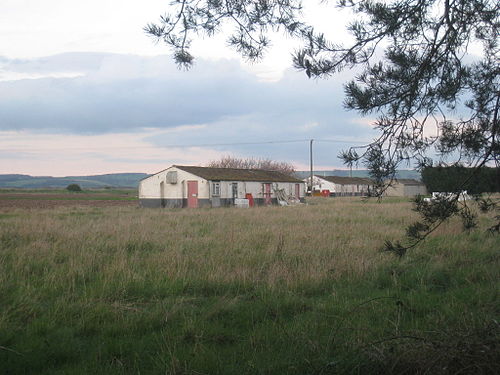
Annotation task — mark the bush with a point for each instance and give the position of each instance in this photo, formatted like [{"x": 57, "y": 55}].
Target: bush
[
  {"x": 73, "y": 187},
  {"x": 446, "y": 179}
]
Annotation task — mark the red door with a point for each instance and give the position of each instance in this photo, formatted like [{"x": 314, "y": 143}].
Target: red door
[
  {"x": 192, "y": 194},
  {"x": 267, "y": 193},
  {"x": 297, "y": 191}
]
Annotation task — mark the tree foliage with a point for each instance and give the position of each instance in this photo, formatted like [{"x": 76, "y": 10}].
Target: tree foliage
[
  {"x": 252, "y": 163},
  {"x": 73, "y": 187},
  {"x": 430, "y": 94},
  {"x": 448, "y": 179}
]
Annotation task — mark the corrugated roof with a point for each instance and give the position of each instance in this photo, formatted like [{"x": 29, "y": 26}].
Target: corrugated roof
[
  {"x": 233, "y": 174},
  {"x": 408, "y": 181},
  {"x": 346, "y": 180}
]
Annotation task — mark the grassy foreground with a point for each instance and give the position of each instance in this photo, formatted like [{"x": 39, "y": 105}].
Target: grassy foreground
[{"x": 292, "y": 290}]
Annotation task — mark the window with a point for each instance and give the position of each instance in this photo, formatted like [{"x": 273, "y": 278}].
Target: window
[
  {"x": 172, "y": 177},
  {"x": 216, "y": 189}
]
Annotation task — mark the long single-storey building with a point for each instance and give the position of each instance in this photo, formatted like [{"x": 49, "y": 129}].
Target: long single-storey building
[
  {"x": 188, "y": 186},
  {"x": 406, "y": 188},
  {"x": 339, "y": 186}
]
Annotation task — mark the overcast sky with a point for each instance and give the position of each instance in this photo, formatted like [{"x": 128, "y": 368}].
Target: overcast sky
[{"x": 84, "y": 91}]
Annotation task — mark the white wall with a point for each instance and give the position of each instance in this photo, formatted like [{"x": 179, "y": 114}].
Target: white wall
[
  {"x": 149, "y": 188},
  {"x": 320, "y": 184},
  {"x": 401, "y": 190},
  {"x": 413, "y": 190},
  {"x": 257, "y": 190}
]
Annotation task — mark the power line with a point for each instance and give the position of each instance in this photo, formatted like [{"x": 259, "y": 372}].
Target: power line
[
  {"x": 236, "y": 143},
  {"x": 174, "y": 145},
  {"x": 341, "y": 141}
]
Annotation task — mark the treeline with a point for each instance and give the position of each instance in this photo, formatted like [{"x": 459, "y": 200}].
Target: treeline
[
  {"x": 450, "y": 179},
  {"x": 229, "y": 161}
]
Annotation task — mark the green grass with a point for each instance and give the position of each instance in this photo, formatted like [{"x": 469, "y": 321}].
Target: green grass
[
  {"x": 72, "y": 196},
  {"x": 110, "y": 191},
  {"x": 64, "y": 194},
  {"x": 293, "y": 290}
]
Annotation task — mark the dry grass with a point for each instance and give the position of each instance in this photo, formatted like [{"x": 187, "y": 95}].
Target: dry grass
[
  {"x": 198, "y": 290},
  {"x": 272, "y": 246}
]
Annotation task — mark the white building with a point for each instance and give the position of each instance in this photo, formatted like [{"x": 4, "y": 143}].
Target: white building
[
  {"x": 187, "y": 186},
  {"x": 341, "y": 186}
]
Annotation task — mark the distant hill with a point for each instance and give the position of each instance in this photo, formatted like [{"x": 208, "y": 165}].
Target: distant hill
[
  {"x": 403, "y": 173},
  {"x": 122, "y": 180},
  {"x": 131, "y": 180}
]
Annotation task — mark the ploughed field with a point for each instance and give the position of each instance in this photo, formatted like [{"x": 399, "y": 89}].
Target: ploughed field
[{"x": 92, "y": 288}]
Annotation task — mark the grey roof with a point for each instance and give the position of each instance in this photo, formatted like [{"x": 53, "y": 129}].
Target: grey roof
[
  {"x": 233, "y": 174},
  {"x": 346, "y": 180},
  {"x": 408, "y": 181}
]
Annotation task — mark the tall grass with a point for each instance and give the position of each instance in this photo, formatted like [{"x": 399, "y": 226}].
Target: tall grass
[{"x": 276, "y": 290}]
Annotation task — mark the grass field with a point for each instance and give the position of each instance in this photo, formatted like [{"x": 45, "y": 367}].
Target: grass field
[
  {"x": 273, "y": 290},
  {"x": 53, "y": 198}
]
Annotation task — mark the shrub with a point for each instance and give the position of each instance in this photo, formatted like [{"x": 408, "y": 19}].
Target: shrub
[
  {"x": 73, "y": 187},
  {"x": 446, "y": 179}
]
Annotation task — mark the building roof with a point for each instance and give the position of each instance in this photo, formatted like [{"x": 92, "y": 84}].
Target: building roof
[
  {"x": 346, "y": 180},
  {"x": 233, "y": 174},
  {"x": 408, "y": 181}
]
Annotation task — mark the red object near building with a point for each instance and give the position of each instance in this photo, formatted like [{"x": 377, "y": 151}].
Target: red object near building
[
  {"x": 325, "y": 193},
  {"x": 250, "y": 199}
]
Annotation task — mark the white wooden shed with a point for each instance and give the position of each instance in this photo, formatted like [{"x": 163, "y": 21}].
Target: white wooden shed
[{"x": 189, "y": 186}]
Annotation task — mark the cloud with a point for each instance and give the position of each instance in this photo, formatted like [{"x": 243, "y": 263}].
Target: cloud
[
  {"x": 119, "y": 92},
  {"x": 215, "y": 108},
  {"x": 62, "y": 154},
  {"x": 124, "y": 92}
]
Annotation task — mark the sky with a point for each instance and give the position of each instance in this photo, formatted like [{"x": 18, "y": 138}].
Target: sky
[{"x": 83, "y": 90}]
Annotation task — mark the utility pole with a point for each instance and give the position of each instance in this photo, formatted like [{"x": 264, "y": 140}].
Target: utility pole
[{"x": 311, "y": 162}]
